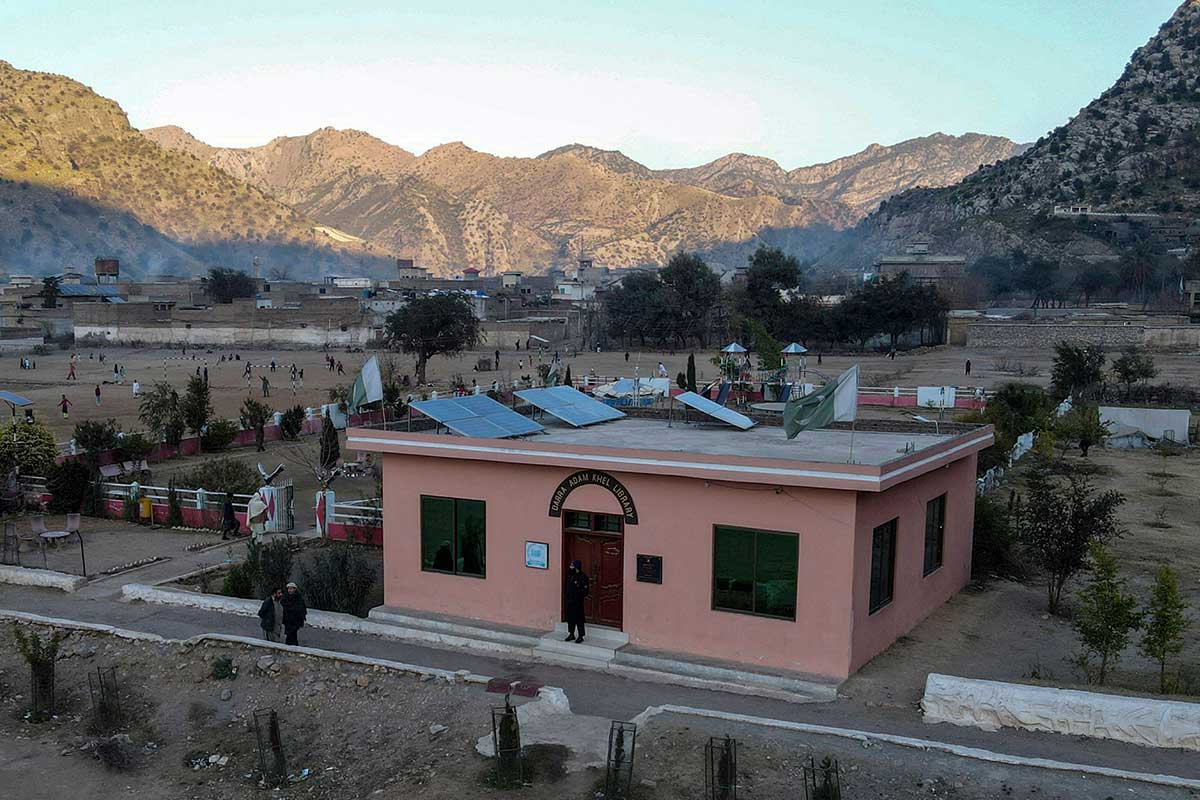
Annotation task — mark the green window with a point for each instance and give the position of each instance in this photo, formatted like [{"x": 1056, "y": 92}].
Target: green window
[
  {"x": 935, "y": 532},
  {"x": 453, "y": 536},
  {"x": 883, "y": 565},
  {"x": 754, "y": 572}
]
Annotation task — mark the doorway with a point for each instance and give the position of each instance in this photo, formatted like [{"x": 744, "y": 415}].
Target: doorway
[{"x": 597, "y": 541}]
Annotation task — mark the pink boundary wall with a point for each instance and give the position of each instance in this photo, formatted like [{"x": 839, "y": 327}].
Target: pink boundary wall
[
  {"x": 192, "y": 517},
  {"x": 191, "y": 445},
  {"x": 832, "y": 635},
  {"x": 361, "y": 534}
]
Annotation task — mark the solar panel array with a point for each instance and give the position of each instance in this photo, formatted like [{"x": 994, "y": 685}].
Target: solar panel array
[
  {"x": 479, "y": 416},
  {"x": 570, "y": 405},
  {"x": 706, "y": 406}
]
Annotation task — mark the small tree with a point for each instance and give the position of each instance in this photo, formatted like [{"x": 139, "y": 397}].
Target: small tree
[
  {"x": 68, "y": 484},
  {"x": 443, "y": 324},
  {"x": 691, "y": 372},
  {"x": 1059, "y": 523},
  {"x": 291, "y": 422},
  {"x": 330, "y": 449},
  {"x": 1080, "y": 426},
  {"x": 1107, "y": 615},
  {"x": 29, "y": 446},
  {"x": 50, "y": 291},
  {"x": 1077, "y": 370},
  {"x": 225, "y": 284},
  {"x": 40, "y": 654},
  {"x": 274, "y": 566},
  {"x": 567, "y": 379},
  {"x": 160, "y": 410},
  {"x": 1133, "y": 367},
  {"x": 174, "y": 507},
  {"x": 339, "y": 578},
  {"x": 1166, "y": 621},
  {"x": 256, "y": 415},
  {"x": 197, "y": 405}
]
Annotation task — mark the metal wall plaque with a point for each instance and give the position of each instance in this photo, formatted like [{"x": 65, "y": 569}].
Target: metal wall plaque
[{"x": 649, "y": 568}]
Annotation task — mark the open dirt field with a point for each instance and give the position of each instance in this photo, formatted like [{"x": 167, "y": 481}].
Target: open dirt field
[
  {"x": 364, "y": 732},
  {"x": 1003, "y": 632},
  {"x": 45, "y": 385}
]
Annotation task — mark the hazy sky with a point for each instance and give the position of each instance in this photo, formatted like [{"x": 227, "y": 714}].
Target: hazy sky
[{"x": 669, "y": 83}]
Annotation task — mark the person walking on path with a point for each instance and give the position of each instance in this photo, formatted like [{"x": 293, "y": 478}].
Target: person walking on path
[
  {"x": 270, "y": 615},
  {"x": 266, "y": 386},
  {"x": 246, "y": 375},
  {"x": 137, "y": 388},
  {"x": 578, "y": 588},
  {"x": 294, "y": 613},
  {"x": 71, "y": 370},
  {"x": 65, "y": 405},
  {"x": 97, "y": 395},
  {"x": 302, "y": 377}
]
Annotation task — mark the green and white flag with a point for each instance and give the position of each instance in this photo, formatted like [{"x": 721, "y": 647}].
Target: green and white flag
[
  {"x": 368, "y": 386},
  {"x": 836, "y": 401}
]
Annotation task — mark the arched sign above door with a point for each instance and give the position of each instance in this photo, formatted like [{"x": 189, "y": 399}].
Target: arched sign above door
[{"x": 594, "y": 478}]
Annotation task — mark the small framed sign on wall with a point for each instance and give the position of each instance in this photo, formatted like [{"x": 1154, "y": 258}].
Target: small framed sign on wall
[{"x": 537, "y": 555}]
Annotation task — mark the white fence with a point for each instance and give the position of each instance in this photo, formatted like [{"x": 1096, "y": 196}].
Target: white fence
[
  {"x": 200, "y": 499},
  {"x": 367, "y": 512}
]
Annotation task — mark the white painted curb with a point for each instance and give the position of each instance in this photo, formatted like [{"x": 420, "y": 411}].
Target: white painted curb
[
  {"x": 992, "y": 705},
  {"x": 45, "y": 578},
  {"x": 924, "y": 744}
]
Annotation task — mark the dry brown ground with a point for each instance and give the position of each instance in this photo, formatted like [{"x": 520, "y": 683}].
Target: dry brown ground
[
  {"x": 1003, "y": 631},
  {"x": 364, "y": 732},
  {"x": 932, "y": 366}
]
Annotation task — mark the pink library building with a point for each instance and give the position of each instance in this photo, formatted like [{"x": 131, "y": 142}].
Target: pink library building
[{"x": 734, "y": 550}]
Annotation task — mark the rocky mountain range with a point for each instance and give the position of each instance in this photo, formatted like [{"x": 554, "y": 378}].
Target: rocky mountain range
[
  {"x": 453, "y": 206},
  {"x": 76, "y": 182},
  {"x": 860, "y": 181},
  {"x": 1136, "y": 148}
]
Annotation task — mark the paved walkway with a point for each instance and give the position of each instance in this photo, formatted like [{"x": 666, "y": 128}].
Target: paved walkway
[{"x": 593, "y": 693}]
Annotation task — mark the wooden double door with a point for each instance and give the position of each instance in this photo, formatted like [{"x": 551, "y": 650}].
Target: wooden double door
[{"x": 602, "y": 553}]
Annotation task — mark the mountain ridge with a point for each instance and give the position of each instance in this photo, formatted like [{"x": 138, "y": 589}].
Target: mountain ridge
[{"x": 1135, "y": 148}]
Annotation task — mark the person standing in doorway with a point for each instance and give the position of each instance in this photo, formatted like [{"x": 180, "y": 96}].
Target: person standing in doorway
[
  {"x": 97, "y": 394},
  {"x": 968, "y": 367},
  {"x": 578, "y": 588},
  {"x": 65, "y": 405},
  {"x": 270, "y": 615},
  {"x": 294, "y": 613}
]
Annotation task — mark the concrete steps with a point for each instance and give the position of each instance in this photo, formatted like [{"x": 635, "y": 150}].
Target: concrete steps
[{"x": 598, "y": 649}]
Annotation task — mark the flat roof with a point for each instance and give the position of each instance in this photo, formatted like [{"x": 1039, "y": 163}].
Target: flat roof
[
  {"x": 700, "y": 435},
  {"x": 702, "y": 449}
]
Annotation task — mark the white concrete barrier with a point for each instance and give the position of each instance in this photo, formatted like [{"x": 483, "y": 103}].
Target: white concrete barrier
[
  {"x": 991, "y": 705},
  {"x": 25, "y": 576}
]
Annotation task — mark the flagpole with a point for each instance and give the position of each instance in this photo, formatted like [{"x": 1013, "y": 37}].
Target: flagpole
[{"x": 852, "y": 423}]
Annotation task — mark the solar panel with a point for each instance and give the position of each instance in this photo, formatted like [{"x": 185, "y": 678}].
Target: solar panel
[
  {"x": 570, "y": 405},
  {"x": 706, "y": 406},
  {"x": 14, "y": 399},
  {"x": 477, "y": 415}
]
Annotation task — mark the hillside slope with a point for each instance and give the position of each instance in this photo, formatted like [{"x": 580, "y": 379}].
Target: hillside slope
[
  {"x": 1136, "y": 148},
  {"x": 76, "y": 181}
]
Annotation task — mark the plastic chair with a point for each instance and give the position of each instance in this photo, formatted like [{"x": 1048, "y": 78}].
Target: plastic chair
[
  {"x": 73, "y": 523},
  {"x": 38, "y": 525}
]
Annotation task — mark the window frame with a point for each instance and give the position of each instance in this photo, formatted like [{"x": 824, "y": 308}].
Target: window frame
[
  {"x": 928, "y": 568},
  {"x": 454, "y": 542},
  {"x": 874, "y": 605},
  {"x": 594, "y": 523},
  {"x": 754, "y": 580}
]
